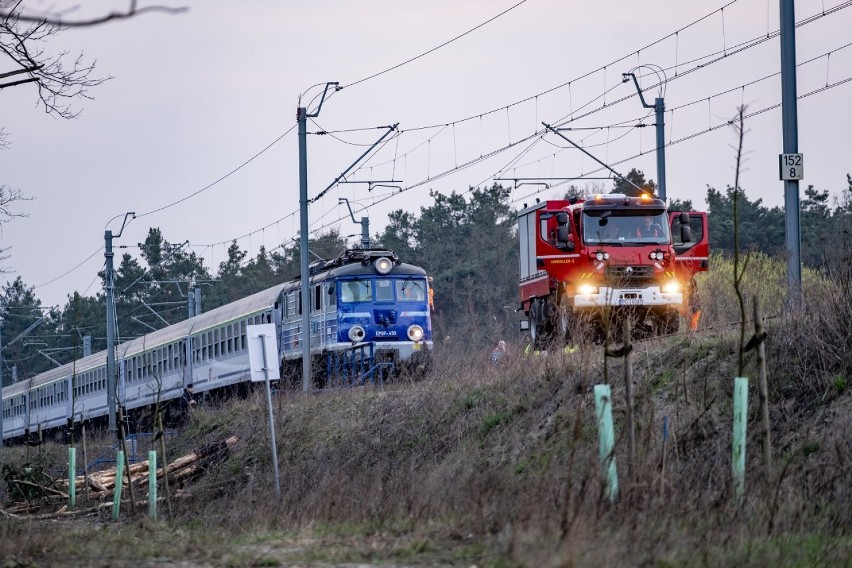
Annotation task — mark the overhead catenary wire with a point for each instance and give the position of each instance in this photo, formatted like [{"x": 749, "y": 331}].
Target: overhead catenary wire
[
  {"x": 500, "y": 150},
  {"x": 568, "y": 83},
  {"x": 572, "y": 116},
  {"x": 709, "y": 129},
  {"x": 436, "y": 48},
  {"x": 67, "y": 272},
  {"x": 731, "y": 51},
  {"x": 726, "y": 52},
  {"x": 221, "y": 179},
  {"x": 453, "y": 123},
  {"x": 564, "y": 120}
]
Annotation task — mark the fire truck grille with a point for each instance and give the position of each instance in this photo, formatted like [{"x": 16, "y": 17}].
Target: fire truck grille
[{"x": 629, "y": 274}]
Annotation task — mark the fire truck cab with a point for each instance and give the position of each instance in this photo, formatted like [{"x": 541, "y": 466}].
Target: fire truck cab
[{"x": 607, "y": 256}]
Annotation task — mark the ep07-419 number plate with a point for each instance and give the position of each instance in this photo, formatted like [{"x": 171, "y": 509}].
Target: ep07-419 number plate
[{"x": 630, "y": 301}]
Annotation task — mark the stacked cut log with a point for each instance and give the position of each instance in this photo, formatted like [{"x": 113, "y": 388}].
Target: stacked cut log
[{"x": 179, "y": 471}]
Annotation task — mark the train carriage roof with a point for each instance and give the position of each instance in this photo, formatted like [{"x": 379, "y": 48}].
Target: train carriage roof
[
  {"x": 229, "y": 312},
  {"x": 356, "y": 262}
]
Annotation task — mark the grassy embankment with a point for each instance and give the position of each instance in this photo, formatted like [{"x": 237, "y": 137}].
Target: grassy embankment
[{"x": 498, "y": 465}]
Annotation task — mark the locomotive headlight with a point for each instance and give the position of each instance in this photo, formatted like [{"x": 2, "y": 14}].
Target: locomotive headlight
[
  {"x": 415, "y": 332},
  {"x": 383, "y": 265},
  {"x": 587, "y": 289},
  {"x": 356, "y": 334},
  {"x": 672, "y": 287}
]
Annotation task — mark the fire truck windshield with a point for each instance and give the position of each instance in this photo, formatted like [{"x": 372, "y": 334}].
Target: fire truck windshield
[{"x": 625, "y": 227}]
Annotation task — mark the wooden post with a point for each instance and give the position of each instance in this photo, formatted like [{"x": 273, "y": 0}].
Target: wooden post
[
  {"x": 628, "y": 384},
  {"x": 738, "y": 450},
  {"x": 763, "y": 390},
  {"x": 152, "y": 484},
  {"x": 121, "y": 435},
  {"x": 665, "y": 444},
  {"x": 606, "y": 438},
  {"x": 163, "y": 453},
  {"x": 119, "y": 473},
  {"x": 85, "y": 464}
]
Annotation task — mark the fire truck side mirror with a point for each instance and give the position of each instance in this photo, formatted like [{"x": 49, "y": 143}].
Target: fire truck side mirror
[
  {"x": 563, "y": 237},
  {"x": 685, "y": 229},
  {"x": 562, "y": 218}
]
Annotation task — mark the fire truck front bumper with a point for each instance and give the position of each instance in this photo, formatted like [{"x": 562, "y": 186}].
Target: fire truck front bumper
[{"x": 650, "y": 297}]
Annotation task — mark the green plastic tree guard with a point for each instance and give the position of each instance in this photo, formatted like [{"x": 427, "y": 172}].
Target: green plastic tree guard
[
  {"x": 606, "y": 437},
  {"x": 738, "y": 453},
  {"x": 119, "y": 481}
]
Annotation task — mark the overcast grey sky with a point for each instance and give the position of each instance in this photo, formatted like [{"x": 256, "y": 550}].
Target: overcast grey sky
[{"x": 196, "y": 95}]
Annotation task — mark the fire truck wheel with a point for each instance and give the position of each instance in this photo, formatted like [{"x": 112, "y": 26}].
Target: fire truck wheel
[
  {"x": 564, "y": 318},
  {"x": 535, "y": 323},
  {"x": 670, "y": 323}
]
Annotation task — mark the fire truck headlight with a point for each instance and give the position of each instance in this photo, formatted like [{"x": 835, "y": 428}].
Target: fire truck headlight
[
  {"x": 587, "y": 289},
  {"x": 599, "y": 256},
  {"x": 356, "y": 333},
  {"x": 672, "y": 287},
  {"x": 415, "y": 332},
  {"x": 606, "y": 256},
  {"x": 656, "y": 255},
  {"x": 383, "y": 265}
]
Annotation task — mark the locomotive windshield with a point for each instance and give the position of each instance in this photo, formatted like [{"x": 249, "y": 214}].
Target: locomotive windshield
[
  {"x": 408, "y": 290},
  {"x": 384, "y": 291},
  {"x": 356, "y": 291},
  {"x": 411, "y": 290},
  {"x": 625, "y": 227}
]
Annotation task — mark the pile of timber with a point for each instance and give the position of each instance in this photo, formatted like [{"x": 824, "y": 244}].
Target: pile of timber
[{"x": 179, "y": 472}]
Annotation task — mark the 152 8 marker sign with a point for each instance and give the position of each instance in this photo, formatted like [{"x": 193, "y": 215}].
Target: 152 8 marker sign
[{"x": 791, "y": 166}]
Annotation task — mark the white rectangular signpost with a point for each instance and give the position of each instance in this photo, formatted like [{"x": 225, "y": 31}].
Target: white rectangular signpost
[{"x": 263, "y": 360}]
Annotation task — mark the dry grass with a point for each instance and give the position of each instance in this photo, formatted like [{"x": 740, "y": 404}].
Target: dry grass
[{"x": 497, "y": 465}]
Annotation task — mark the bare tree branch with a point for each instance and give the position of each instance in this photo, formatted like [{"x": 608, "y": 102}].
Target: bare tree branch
[
  {"x": 57, "y": 18},
  {"x": 60, "y": 79},
  {"x": 8, "y": 196}
]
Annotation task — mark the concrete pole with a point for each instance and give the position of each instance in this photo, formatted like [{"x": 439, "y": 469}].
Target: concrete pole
[
  {"x": 660, "y": 109},
  {"x": 790, "y": 126},
  {"x": 110, "y": 317},
  {"x": 197, "y": 299},
  {"x": 190, "y": 303},
  {"x": 365, "y": 233},
  {"x": 302, "y": 117}
]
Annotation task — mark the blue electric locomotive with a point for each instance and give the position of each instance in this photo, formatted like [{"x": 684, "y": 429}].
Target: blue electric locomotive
[{"x": 369, "y": 316}]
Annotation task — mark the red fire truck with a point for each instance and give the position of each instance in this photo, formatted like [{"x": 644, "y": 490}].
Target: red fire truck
[{"x": 607, "y": 256}]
